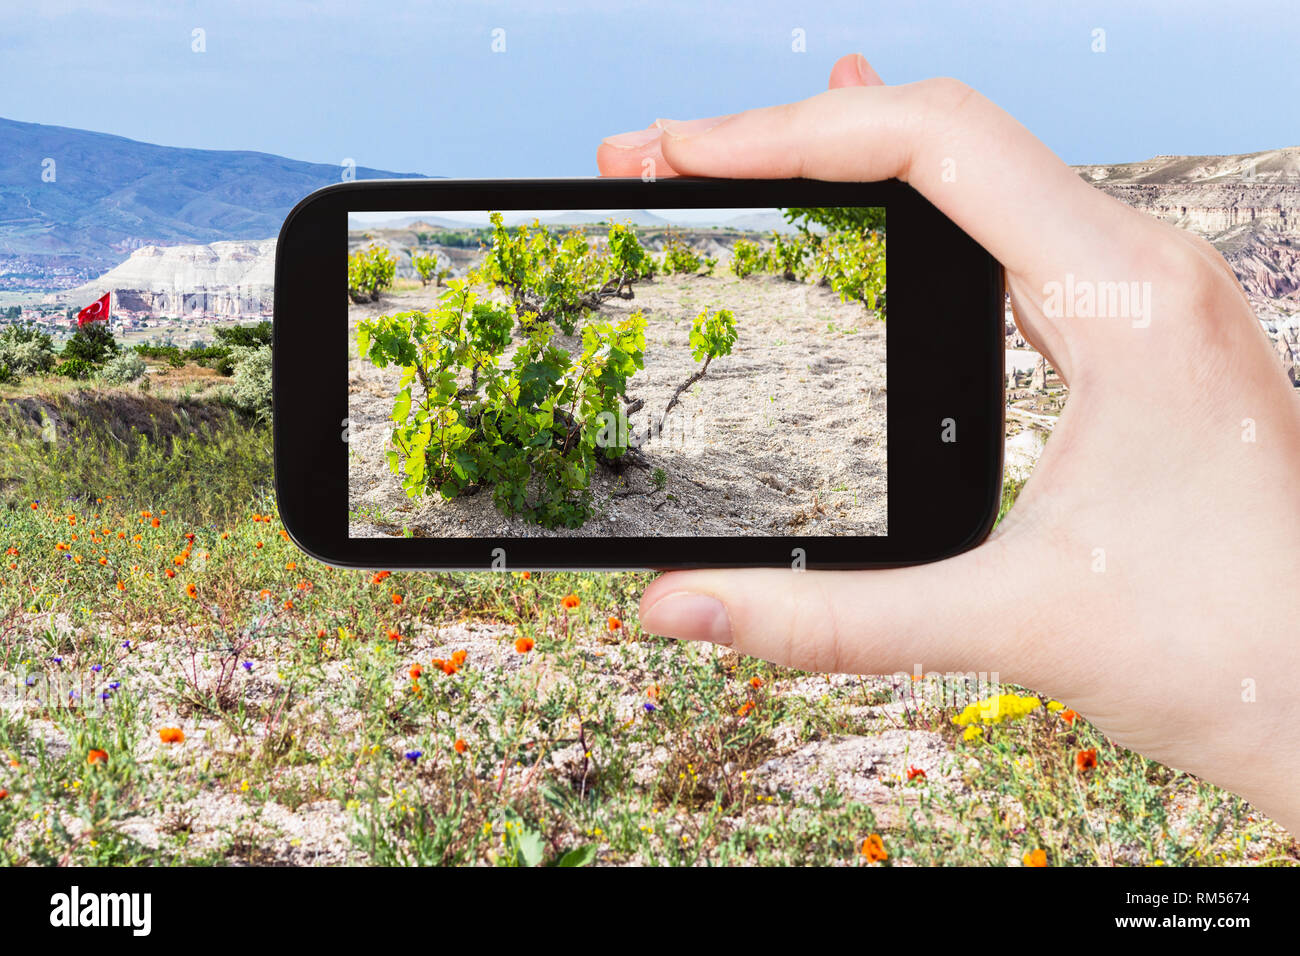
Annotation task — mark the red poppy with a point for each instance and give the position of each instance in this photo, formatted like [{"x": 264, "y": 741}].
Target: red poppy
[
  {"x": 613, "y": 623},
  {"x": 524, "y": 644},
  {"x": 1069, "y": 716},
  {"x": 914, "y": 772},
  {"x": 1085, "y": 760},
  {"x": 570, "y": 601},
  {"x": 379, "y": 576},
  {"x": 97, "y": 756},
  {"x": 461, "y": 746},
  {"x": 397, "y": 598}
]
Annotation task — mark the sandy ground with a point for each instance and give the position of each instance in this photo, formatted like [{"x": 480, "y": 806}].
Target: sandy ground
[{"x": 784, "y": 436}]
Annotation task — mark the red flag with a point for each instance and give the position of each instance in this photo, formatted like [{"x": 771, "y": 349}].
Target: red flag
[{"x": 97, "y": 311}]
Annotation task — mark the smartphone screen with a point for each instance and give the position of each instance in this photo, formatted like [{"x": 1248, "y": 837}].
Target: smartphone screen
[{"x": 679, "y": 373}]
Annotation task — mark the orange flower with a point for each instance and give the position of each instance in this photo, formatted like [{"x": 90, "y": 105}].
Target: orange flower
[
  {"x": 914, "y": 772},
  {"x": 3, "y": 794},
  {"x": 258, "y": 545},
  {"x": 1069, "y": 716},
  {"x": 34, "y": 506},
  {"x": 379, "y": 576},
  {"x": 873, "y": 848},
  {"x": 103, "y": 560},
  {"x": 171, "y": 573},
  {"x": 613, "y": 623},
  {"x": 178, "y": 560},
  {"x": 461, "y": 746},
  {"x": 1035, "y": 858},
  {"x": 416, "y": 671},
  {"x": 121, "y": 586},
  {"x": 1085, "y": 760},
  {"x": 397, "y": 598},
  {"x": 756, "y": 682},
  {"x": 524, "y": 644},
  {"x": 652, "y": 691},
  {"x": 97, "y": 756},
  {"x": 171, "y": 735},
  {"x": 291, "y": 566},
  {"x": 288, "y": 605},
  {"x": 264, "y": 594},
  {"x": 394, "y": 636},
  {"x": 191, "y": 590},
  {"x": 321, "y": 633},
  {"x": 570, "y": 601},
  {"x": 458, "y": 658},
  {"x": 745, "y": 709},
  {"x": 526, "y": 575}
]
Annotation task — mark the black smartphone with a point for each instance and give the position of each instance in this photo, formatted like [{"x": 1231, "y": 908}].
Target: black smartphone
[{"x": 615, "y": 374}]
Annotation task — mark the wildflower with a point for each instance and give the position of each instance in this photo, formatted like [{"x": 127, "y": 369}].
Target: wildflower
[
  {"x": 397, "y": 598},
  {"x": 745, "y": 708},
  {"x": 248, "y": 666},
  {"x": 458, "y": 657},
  {"x": 97, "y": 756},
  {"x": 873, "y": 848},
  {"x": 1054, "y": 705},
  {"x": 258, "y": 545},
  {"x": 652, "y": 691},
  {"x": 265, "y": 594},
  {"x": 416, "y": 671},
  {"x": 649, "y": 707},
  {"x": 524, "y": 644},
  {"x": 178, "y": 560},
  {"x": 971, "y": 732},
  {"x": 126, "y": 645},
  {"x": 613, "y": 623},
  {"x": 379, "y": 576},
  {"x": 756, "y": 682},
  {"x": 1035, "y": 858},
  {"x": 461, "y": 746},
  {"x": 526, "y": 575},
  {"x": 191, "y": 590},
  {"x": 1085, "y": 760},
  {"x": 414, "y": 755},
  {"x": 570, "y": 601},
  {"x": 189, "y": 536},
  {"x": 288, "y": 605},
  {"x": 171, "y": 735},
  {"x": 321, "y": 634},
  {"x": 171, "y": 573},
  {"x": 997, "y": 710},
  {"x": 394, "y": 636},
  {"x": 154, "y": 523},
  {"x": 1069, "y": 717},
  {"x": 915, "y": 772},
  {"x": 96, "y": 667},
  {"x": 103, "y": 560},
  {"x": 121, "y": 586}
]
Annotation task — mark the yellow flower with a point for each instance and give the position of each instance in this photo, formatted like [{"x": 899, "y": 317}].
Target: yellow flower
[
  {"x": 997, "y": 710},
  {"x": 971, "y": 732},
  {"x": 1055, "y": 705}
]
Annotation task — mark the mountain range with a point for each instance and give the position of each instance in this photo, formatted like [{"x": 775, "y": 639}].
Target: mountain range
[{"x": 74, "y": 203}]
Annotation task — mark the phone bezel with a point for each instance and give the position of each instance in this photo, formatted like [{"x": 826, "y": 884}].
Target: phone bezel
[{"x": 943, "y": 496}]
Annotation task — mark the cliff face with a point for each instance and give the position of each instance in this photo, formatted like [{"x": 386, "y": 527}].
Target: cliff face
[
  {"x": 224, "y": 278},
  {"x": 1247, "y": 205}
]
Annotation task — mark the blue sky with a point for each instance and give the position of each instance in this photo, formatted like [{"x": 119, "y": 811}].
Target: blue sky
[{"x": 414, "y": 86}]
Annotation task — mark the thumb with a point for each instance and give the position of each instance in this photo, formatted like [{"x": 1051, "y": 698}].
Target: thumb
[
  {"x": 853, "y": 70},
  {"x": 971, "y": 612}
]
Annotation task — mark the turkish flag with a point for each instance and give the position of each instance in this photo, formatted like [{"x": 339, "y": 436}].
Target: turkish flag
[{"x": 97, "y": 311}]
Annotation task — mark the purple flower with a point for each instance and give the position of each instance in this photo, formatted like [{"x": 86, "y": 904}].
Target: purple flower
[
  {"x": 248, "y": 666},
  {"x": 650, "y": 708},
  {"x": 105, "y": 696},
  {"x": 126, "y": 645},
  {"x": 57, "y": 660},
  {"x": 96, "y": 667},
  {"x": 414, "y": 755},
  {"x": 115, "y": 685}
]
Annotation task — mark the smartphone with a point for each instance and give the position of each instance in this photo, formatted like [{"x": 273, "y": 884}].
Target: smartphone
[{"x": 620, "y": 374}]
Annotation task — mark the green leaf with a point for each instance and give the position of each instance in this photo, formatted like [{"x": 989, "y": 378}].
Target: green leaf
[{"x": 578, "y": 856}]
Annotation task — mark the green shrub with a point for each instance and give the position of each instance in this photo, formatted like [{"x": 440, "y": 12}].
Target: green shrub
[
  {"x": 532, "y": 432},
  {"x": 24, "y": 350},
  {"x": 251, "y": 388},
  {"x": 123, "y": 368},
  {"x": 77, "y": 369},
  {"x": 370, "y": 272},
  {"x": 93, "y": 343},
  {"x": 746, "y": 258}
]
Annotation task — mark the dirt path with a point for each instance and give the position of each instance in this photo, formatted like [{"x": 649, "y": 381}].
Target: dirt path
[{"x": 784, "y": 436}]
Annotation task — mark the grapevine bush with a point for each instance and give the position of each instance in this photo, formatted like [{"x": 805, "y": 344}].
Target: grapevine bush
[
  {"x": 370, "y": 271},
  {"x": 532, "y": 431}
]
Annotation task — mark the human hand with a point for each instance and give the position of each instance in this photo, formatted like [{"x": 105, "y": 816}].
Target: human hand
[{"x": 1153, "y": 466}]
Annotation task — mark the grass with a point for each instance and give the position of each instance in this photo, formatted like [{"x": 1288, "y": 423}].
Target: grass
[{"x": 328, "y": 717}]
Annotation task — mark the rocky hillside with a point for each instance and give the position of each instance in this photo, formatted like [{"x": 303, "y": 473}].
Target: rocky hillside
[
  {"x": 1248, "y": 206},
  {"x": 221, "y": 278}
]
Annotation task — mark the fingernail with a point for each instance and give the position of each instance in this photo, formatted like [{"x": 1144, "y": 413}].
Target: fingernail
[
  {"x": 633, "y": 140},
  {"x": 680, "y": 129},
  {"x": 865, "y": 72},
  {"x": 688, "y": 617}
]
